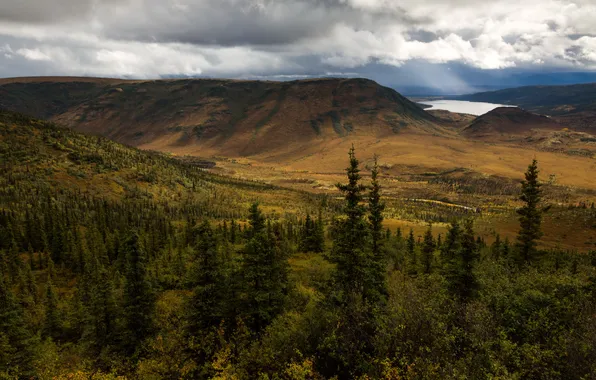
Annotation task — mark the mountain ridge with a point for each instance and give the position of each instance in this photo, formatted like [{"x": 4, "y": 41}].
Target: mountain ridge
[{"x": 237, "y": 117}]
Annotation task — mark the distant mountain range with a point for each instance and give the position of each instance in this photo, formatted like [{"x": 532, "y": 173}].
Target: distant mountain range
[{"x": 573, "y": 105}]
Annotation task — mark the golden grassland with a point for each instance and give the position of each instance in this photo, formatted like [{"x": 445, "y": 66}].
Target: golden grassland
[
  {"x": 397, "y": 154},
  {"x": 410, "y": 161}
]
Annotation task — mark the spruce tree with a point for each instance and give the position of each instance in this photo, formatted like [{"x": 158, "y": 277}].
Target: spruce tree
[
  {"x": 265, "y": 273},
  {"x": 377, "y": 261},
  {"x": 530, "y": 215},
  {"x": 233, "y": 232},
  {"x": 256, "y": 219},
  {"x": 375, "y": 209},
  {"x": 462, "y": 282},
  {"x": 428, "y": 250},
  {"x": 307, "y": 236},
  {"x": 496, "y": 247},
  {"x": 351, "y": 249},
  {"x": 17, "y": 344},
  {"x": 207, "y": 306},
  {"x": 452, "y": 243},
  {"x": 411, "y": 245},
  {"x": 319, "y": 232},
  {"x": 138, "y": 295},
  {"x": 102, "y": 312}
]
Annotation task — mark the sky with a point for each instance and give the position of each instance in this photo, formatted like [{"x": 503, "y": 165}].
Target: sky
[{"x": 447, "y": 45}]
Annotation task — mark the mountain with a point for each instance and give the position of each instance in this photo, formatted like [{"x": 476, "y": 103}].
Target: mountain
[
  {"x": 229, "y": 117},
  {"x": 508, "y": 121},
  {"x": 550, "y": 100}
]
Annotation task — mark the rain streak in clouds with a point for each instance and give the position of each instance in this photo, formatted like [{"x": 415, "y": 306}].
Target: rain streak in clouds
[{"x": 284, "y": 39}]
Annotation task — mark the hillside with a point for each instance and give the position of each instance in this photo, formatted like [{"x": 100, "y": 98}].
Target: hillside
[
  {"x": 508, "y": 121},
  {"x": 40, "y": 157},
  {"x": 226, "y": 116},
  {"x": 116, "y": 264}
]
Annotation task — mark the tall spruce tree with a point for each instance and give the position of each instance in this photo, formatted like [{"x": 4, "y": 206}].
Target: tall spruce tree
[
  {"x": 101, "y": 311},
  {"x": 307, "y": 236},
  {"x": 265, "y": 273},
  {"x": 530, "y": 215},
  {"x": 319, "y": 239},
  {"x": 462, "y": 282},
  {"x": 257, "y": 220},
  {"x": 412, "y": 257},
  {"x": 351, "y": 248},
  {"x": 313, "y": 235},
  {"x": 138, "y": 295},
  {"x": 452, "y": 243},
  {"x": 375, "y": 218},
  {"x": 428, "y": 250},
  {"x": 207, "y": 306}
]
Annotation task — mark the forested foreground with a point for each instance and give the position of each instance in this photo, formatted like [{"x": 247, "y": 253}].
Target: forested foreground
[{"x": 160, "y": 279}]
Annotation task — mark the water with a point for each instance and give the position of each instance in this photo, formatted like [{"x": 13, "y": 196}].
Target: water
[{"x": 460, "y": 106}]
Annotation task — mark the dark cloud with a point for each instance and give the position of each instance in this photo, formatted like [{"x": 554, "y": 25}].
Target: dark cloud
[{"x": 426, "y": 42}]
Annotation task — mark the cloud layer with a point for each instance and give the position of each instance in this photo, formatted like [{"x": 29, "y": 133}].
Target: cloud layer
[{"x": 279, "y": 38}]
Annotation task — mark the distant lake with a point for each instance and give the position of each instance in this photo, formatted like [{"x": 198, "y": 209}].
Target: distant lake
[{"x": 461, "y": 106}]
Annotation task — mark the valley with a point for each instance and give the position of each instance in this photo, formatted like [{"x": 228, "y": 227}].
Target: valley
[
  {"x": 296, "y": 134},
  {"x": 209, "y": 223}
]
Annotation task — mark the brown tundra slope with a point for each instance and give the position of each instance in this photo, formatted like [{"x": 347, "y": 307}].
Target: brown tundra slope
[{"x": 226, "y": 117}]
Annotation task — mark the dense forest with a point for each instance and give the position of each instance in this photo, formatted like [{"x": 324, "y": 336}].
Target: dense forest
[{"x": 118, "y": 264}]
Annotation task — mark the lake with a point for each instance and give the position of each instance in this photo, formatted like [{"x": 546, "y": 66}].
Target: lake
[{"x": 461, "y": 106}]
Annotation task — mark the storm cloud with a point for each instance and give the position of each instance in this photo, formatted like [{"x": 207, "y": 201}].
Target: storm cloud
[{"x": 290, "y": 38}]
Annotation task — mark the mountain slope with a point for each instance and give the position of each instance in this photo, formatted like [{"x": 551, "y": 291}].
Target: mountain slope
[
  {"x": 38, "y": 157},
  {"x": 508, "y": 121},
  {"x": 226, "y": 116}
]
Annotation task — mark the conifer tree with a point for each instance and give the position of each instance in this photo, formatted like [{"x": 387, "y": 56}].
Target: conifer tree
[
  {"x": 530, "y": 215},
  {"x": 265, "y": 271},
  {"x": 496, "y": 247},
  {"x": 506, "y": 248},
  {"x": 306, "y": 240},
  {"x": 233, "y": 232},
  {"x": 207, "y": 306},
  {"x": 319, "y": 239},
  {"x": 17, "y": 344},
  {"x": 257, "y": 220},
  {"x": 313, "y": 236},
  {"x": 351, "y": 250},
  {"x": 375, "y": 209},
  {"x": 428, "y": 250},
  {"x": 460, "y": 275},
  {"x": 138, "y": 294},
  {"x": 375, "y": 218},
  {"x": 452, "y": 243},
  {"x": 102, "y": 312},
  {"x": 411, "y": 245}
]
